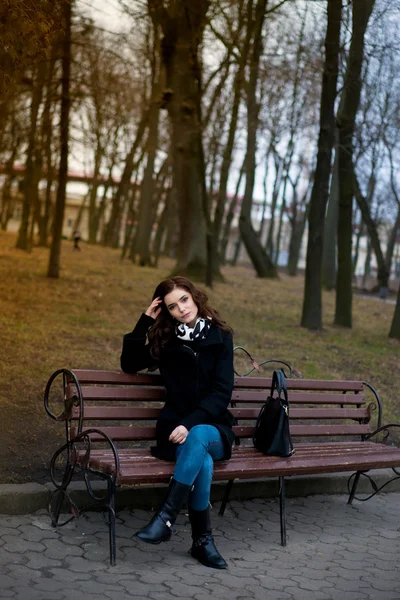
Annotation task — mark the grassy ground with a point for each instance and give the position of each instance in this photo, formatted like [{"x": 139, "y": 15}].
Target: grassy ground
[{"x": 79, "y": 320}]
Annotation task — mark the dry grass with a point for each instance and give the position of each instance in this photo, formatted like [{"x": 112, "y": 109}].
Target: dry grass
[{"x": 78, "y": 321}]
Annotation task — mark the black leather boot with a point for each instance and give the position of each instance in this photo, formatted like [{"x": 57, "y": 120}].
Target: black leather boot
[
  {"x": 203, "y": 547},
  {"x": 160, "y": 527}
]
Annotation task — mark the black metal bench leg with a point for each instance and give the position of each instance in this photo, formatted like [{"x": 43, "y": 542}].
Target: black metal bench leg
[
  {"x": 111, "y": 523},
  {"x": 282, "y": 510},
  {"x": 56, "y": 516},
  {"x": 354, "y": 487},
  {"x": 226, "y": 497}
]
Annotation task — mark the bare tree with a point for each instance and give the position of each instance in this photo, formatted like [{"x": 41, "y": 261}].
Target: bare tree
[
  {"x": 361, "y": 11},
  {"x": 55, "y": 250},
  {"x": 312, "y": 303},
  {"x": 261, "y": 261}
]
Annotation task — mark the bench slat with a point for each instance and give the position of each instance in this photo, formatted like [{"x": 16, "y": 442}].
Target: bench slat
[
  {"x": 314, "y": 430},
  {"x": 299, "y": 397},
  {"x": 302, "y": 384},
  {"x": 93, "y": 393},
  {"x": 120, "y": 393},
  {"x": 149, "y": 433},
  {"x": 118, "y": 377},
  {"x": 108, "y": 377},
  {"x": 247, "y": 463},
  {"x": 141, "y": 413}
]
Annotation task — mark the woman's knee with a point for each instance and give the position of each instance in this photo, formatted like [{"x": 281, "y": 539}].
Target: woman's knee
[{"x": 199, "y": 434}]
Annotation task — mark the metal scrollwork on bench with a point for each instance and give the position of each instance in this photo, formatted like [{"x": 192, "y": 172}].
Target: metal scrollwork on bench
[
  {"x": 83, "y": 465},
  {"x": 353, "y": 479},
  {"x": 256, "y": 366},
  {"x": 60, "y": 494},
  {"x": 69, "y": 402}
]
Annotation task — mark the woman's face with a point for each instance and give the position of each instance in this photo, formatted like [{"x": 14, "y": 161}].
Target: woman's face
[{"x": 181, "y": 306}]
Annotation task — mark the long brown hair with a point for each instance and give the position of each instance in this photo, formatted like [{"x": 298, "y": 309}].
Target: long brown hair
[{"x": 164, "y": 326}]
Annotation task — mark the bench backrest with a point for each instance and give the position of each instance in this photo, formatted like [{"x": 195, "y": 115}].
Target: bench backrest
[{"x": 126, "y": 407}]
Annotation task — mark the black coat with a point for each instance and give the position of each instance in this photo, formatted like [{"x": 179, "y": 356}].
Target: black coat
[{"x": 199, "y": 384}]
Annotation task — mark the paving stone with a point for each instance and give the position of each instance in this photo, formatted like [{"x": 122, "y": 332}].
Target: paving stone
[
  {"x": 33, "y": 533},
  {"x": 9, "y": 531},
  {"x": 14, "y": 521},
  {"x": 262, "y": 594},
  {"x": 92, "y": 586},
  {"x": 298, "y": 593},
  {"x": 18, "y": 544},
  {"x": 81, "y": 565},
  {"x": 56, "y": 549},
  {"x": 309, "y": 583},
  {"x": 6, "y": 582},
  {"x": 114, "y": 595},
  {"x": 39, "y": 560},
  {"x": 66, "y": 575},
  {"x": 342, "y": 595},
  {"x": 374, "y": 595},
  {"x": 140, "y": 590},
  {"x": 29, "y": 593},
  {"x": 24, "y": 574},
  {"x": 153, "y": 577},
  {"x": 53, "y": 585}
]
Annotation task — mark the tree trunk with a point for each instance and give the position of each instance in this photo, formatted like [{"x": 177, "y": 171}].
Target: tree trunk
[
  {"x": 23, "y": 241},
  {"x": 229, "y": 217},
  {"x": 93, "y": 208},
  {"x": 361, "y": 12},
  {"x": 265, "y": 196},
  {"x": 363, "y": 205},
  {"x": 357, "y": 247},
  {"x": 330, "y": 230},
  {"x": 392, "y": 242},
  {"x": 145, "y": 223},
  {"x": 367, "y": 264},
  {"x": 261, "y": 261},
  {"x": 281, "y": 213},
  {"x": 299, "y": 220},
  {"x": 55, "y": 250},
  {"x": 7, "y": 201},
  {"x": 395, "y": 328},
  {"x": 183, "y": 25},
  {"x": 269, "y": 244},
  {"x": 112, "y": 233},
  {"x": 161, "y": 229},
  {"x": 227, "y": 156},
  {"x": 312, "y": 303},
  {"x": 47, "y": 137}
]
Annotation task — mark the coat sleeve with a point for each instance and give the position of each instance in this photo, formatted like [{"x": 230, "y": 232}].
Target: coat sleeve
[
  {"x": 135, "y": 351},
  {"x": 215, "y": 404}
]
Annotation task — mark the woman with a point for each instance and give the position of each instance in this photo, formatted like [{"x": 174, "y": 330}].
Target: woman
[{"x": 193, "y": 348}]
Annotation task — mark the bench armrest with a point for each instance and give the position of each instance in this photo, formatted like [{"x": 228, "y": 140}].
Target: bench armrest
[
  {"x": 256, "y": 366},
  {"x": 69, "y": 401},
  {"x": 71, "y": 461},
  {"x": 378, "y": 404},
  {"x": 384, "y": 428}
]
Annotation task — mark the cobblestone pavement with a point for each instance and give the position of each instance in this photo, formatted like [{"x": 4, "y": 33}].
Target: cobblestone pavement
[{"x": 334, "y": 552}]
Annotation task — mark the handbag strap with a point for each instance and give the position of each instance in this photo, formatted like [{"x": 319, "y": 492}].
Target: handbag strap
[{"x": 279, "y": 383}]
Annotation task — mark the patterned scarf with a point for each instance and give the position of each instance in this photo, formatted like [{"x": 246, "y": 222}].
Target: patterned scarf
[{"x": 198, "y": 332}]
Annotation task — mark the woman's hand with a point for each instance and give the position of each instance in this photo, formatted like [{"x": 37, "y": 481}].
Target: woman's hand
[
  {"x": 179, "y": 435},
  {"x": 154, "y": 309}
]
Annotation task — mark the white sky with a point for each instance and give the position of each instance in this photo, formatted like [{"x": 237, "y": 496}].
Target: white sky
[{"x": 106, "y": 13}]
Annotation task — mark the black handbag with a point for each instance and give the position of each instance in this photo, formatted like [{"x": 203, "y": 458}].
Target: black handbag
[{"x": 271, "y": 432}]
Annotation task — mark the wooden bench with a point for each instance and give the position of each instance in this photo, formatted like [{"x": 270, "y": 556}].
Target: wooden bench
[{"x": 330, "y": 426}]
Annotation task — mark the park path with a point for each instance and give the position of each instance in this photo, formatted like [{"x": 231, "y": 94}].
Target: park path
[{"x": 335, "y": 552}]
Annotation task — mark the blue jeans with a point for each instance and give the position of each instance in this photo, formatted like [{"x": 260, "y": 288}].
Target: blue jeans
[{"x": 195, "y": 462}]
